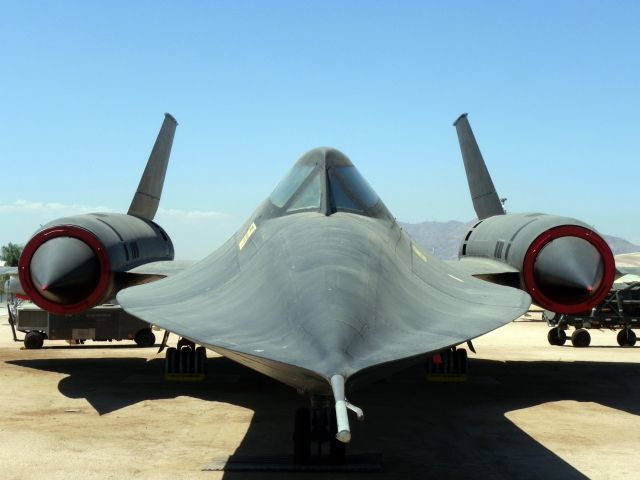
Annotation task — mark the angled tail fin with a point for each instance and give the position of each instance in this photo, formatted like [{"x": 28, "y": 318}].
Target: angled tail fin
[
  {"x": 147, "y": 197},
  {"x": 483, "y": 194}
]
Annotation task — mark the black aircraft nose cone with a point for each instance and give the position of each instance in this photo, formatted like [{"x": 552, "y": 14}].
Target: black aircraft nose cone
[
  {"x": 569, "y": 269},
  {"x": 64, "y": 270}
]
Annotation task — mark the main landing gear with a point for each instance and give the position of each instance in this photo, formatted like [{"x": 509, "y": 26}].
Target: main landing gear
[
  {"x": 580, "y": 338},
  {"x": 449, "y": 365},
  {"x": 620, "y": 310},
  {"x": 185, "y": 362}
]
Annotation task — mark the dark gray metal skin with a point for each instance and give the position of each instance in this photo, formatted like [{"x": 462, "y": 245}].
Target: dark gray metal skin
[
  {"x": 147, "y": 198},
  {"x": 483, "y": 194},
  {"x": 314, "y": 294},
  {"x": 65, "y": 273},
  {"x": 507, "y": 238},
  {"x": 129, "y": 241}
]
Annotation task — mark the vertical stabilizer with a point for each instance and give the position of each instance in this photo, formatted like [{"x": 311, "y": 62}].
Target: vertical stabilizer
[
  {"x": 483, "y": 194},
  {"x": 147, "y": 197}
]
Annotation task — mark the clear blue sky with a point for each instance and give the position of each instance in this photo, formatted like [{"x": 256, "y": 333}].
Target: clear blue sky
[{"x": 552, "y": 91}]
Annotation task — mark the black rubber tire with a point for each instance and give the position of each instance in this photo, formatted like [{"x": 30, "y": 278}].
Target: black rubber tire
[
  {"x": 626, "y": 337},
  {"x": 429, "y": 366},
  {"x": 200, "y": 360},
  {"x": 145, "y": 338},
  {"x": 556, "y": 336},
  {"x": 631, "y": 338},
  {"x": 580, "y": 338},
  {"x": 562, "y": 336},
  {"x": 186, "y": 356},
  {"x": 451, "y": 361},
  {"x": 302, "y": 436},
  {"x": 170, "y": 360},
  {"x": 462, "y": 360},
  {"x": 337, "y": 449},
  {"x": 33, "y": 340}
]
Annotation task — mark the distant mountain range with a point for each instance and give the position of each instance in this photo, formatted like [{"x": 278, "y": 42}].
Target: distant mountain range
[{"x": 442, "y": 239}]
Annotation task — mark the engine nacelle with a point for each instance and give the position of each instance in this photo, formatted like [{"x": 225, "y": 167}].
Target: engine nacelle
[
  {"x": 564, "y": 265},
  {"x": 75, "y": 263}
]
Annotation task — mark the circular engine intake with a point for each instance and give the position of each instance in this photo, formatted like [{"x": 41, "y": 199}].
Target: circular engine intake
[
  {"x": 568, "y": 269},
  {"x": 65, "y": 269}
]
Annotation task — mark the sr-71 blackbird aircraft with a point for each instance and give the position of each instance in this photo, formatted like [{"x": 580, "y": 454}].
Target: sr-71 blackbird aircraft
[{"x": 321, "y": 288}]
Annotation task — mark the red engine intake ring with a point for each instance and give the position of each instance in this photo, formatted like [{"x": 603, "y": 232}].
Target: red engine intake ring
[
  {"x": 547, "y": 237},
  {"x": 64, "y": 231}
]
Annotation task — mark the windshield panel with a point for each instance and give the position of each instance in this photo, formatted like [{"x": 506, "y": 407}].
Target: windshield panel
[
  {"x": 340, "y": 199},
  {"x": 350, "y": 191},
  {"x": 309, "y": 197},
  {"x": 290, "y": 184},
  {"x": 357, "y": 187}
]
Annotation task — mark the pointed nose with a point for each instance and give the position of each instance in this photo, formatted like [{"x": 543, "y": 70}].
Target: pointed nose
[
  {"x": 64, "y": 270},
  {"x": 569, "y": 269}
]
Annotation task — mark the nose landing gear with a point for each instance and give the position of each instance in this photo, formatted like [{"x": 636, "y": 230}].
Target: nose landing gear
[{"x": 314, "y": 435}]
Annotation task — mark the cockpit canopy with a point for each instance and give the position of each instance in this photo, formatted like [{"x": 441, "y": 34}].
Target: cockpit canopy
[{"x": 325, "y": 180}]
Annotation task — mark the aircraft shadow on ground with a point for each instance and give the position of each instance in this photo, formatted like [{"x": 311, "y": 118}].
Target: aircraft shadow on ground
[{"x": 423, "y": 429}]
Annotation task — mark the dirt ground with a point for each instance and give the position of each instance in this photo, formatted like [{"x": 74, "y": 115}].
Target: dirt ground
[{"x": 529, "y": 410}]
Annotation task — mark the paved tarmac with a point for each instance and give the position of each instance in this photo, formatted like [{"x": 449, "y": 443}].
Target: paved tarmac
[{"x": 529, "y": 410}]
